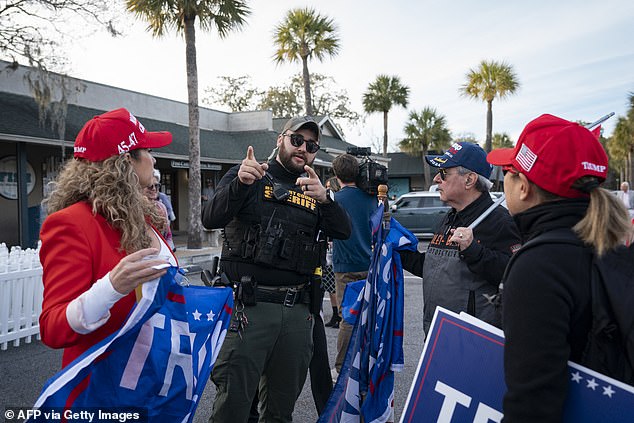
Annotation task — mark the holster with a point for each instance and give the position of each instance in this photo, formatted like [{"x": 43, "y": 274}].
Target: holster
[
  {"x": 246, "y": 291},
  {"x": 316, "y": 295}
]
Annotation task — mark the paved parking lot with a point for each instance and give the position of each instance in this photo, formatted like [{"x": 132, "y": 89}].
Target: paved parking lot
[{"x": 25, "y": 369}]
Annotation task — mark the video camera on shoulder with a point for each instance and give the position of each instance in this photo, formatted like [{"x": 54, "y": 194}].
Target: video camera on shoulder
[{"x": 371, "y": 173}]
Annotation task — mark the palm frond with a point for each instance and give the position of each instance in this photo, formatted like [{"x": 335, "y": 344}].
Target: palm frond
[
  {"x": 304, "y": 33},
  {"x": 165, "y": 15}
]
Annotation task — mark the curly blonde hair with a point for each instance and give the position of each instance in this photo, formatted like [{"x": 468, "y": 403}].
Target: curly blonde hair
[{"x": 112, "y": 188}]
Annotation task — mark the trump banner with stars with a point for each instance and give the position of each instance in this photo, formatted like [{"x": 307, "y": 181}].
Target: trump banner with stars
[
  {"x": 160, "y": 359},
  {"x": 460, "y": 378},
  {"x": 365, "y": 386}
]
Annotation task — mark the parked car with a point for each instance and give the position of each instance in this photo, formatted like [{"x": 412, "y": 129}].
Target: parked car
[{"x": 420, "y": 212}]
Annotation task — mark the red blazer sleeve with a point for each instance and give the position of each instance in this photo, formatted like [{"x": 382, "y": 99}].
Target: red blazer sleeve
[{"x": 77, "y": 250}]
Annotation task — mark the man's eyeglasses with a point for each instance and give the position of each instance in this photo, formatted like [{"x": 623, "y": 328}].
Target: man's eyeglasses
[
  {"x": 154, "y": 187},
  {"x": 297, "y": 141},
  {"x": 443, "y": 173},
  {"x": 509, "y": 168}
]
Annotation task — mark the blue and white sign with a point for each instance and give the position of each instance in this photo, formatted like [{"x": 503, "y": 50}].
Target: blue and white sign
[
  {"x": 160, "y": 360},
  {"x": 460, "y": 378},
  {"x": 365, "y": 387}
]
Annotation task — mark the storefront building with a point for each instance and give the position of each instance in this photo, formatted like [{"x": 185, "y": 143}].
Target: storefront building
[{"x": 32, "y": 150}]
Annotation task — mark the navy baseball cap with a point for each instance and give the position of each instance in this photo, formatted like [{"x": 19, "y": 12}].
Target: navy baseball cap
[{"x": 466, "y": 154}]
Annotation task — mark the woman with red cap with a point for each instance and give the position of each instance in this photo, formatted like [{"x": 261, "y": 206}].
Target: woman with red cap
[
  {"x": 99, "y": 242},
  {"x": 551, "y": 183}
]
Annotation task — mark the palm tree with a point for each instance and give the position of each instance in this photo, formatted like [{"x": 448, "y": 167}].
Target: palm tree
[
  {"x": 621, "y": 144},
  {"x": 385, "y": 92},
  {"x": 501, "y": 141},
  {"x": 302, "y": 35},
  {"x": 489, "y": 80},
  {"x": 181, "y": 15},
  {"x": 630, "y": 125},
  {"x": 621, "y": 147},
  {"x": 425, "y": 130}
]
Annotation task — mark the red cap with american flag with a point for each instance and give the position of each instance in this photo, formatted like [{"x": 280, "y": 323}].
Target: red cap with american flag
[{"x": 553, "y": 153}]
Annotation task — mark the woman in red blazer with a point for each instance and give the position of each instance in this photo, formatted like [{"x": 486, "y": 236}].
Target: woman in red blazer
[{"x": 99, "y": 241}]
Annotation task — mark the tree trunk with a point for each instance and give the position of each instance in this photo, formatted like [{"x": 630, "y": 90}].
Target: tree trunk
[
  {"x": 308, "y": 100},
  {"x": 61, "y": 129},
  {"x": 487, "y": 145},
  {"x": 61, "y": 121},
  {"x": 194, "y": 230},
  {"x": 426, "y": 170},
  {"x": 384, "y": 133},
  {"x": 628, "y": 166}
]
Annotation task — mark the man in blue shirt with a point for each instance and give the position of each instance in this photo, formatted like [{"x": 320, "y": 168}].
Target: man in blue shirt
[
  {"x": 163, "y": 198},
  {"x": 351, "y": 257}
]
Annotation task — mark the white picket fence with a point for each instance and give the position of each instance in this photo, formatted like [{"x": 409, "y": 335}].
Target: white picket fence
[{"x": 20, "y": 295}]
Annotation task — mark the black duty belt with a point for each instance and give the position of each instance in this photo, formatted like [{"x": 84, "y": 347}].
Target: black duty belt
[{"x": 289, "y": 296}]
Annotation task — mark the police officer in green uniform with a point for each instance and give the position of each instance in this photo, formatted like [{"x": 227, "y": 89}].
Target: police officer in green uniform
[{"x": 272, "y": 215}]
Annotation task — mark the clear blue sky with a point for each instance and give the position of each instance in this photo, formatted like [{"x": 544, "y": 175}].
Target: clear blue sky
[{"x": 574, "y": 59}]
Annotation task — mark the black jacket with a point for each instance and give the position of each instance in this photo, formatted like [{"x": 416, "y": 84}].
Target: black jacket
[
  {"x": 462, "y": 280},
  {"x": 234, "y": 201},
  {"x": 546, "y": 314}
]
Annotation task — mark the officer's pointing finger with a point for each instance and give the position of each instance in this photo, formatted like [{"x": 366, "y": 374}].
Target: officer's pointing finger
[
  {"x": 311, "y": 172},
  {"x": 250, "y": 153}
]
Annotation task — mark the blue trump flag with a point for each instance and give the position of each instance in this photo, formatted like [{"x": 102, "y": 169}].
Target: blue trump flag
[
  {"x": 460, "y": 378},
  {"x": 160, "y": 359},
  {"x": 365, "y": 387}
]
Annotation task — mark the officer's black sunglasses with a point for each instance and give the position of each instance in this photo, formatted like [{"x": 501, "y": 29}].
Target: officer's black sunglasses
[{"x": 297, "y": 141}]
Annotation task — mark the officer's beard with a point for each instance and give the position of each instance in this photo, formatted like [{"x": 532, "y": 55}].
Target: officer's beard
[{"x": 285, "y": 157}]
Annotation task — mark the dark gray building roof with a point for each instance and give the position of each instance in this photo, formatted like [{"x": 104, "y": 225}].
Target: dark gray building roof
[{"x": 19, "y": 116}]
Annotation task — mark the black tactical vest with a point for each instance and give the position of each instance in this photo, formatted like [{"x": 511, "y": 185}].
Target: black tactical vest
[{"x": 281, "y": 235}]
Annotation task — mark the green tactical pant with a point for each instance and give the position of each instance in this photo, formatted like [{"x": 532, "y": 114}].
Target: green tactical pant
[{"x": 272, "y": 356}]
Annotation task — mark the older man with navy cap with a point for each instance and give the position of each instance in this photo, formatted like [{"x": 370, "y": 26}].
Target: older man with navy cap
[{"x": 462, "y": 267}]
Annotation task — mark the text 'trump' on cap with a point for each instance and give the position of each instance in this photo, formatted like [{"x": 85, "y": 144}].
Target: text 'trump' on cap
[
  {"x": 114, "y": 133},
  {"x": 296, "y": 123},
  {"x": 466, "y": 154},
  {"x": 554, "y": 153}
]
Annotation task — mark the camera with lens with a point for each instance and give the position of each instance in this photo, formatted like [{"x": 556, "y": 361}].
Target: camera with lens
[
  {"x": 360, "y": 151},
  {"x": 371, "y": 173}
]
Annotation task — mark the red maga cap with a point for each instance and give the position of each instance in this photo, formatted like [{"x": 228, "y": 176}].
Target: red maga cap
[
  {"x": 114, "y": 133},
  {"x": 553, "y": 153}
]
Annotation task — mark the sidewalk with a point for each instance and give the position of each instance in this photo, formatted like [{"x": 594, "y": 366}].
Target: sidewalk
[{"x": 195, "y": 258}]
